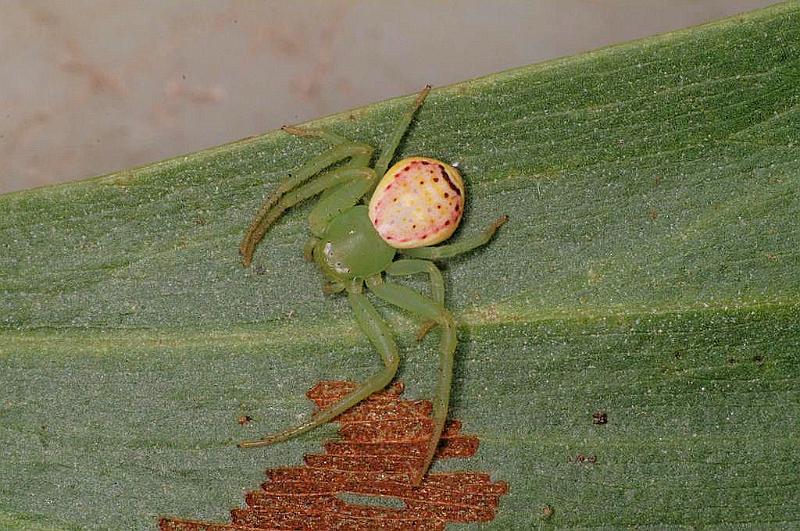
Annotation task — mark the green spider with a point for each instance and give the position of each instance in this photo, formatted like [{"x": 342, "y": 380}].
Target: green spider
[{"x": 417, "y": 203}]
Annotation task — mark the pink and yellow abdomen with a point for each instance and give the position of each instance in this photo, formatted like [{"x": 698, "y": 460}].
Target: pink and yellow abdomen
[{"x": 419, "y": 202}]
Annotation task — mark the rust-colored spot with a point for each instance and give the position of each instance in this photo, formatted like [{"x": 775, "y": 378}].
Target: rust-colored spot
[
  {"x": 383, "y": 442},
  {"x": 599, "y": 417},
  {"x": 244, "y": 419}
]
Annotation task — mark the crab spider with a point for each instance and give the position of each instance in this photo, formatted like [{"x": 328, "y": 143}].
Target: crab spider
[{"x": 417, "y": 204}]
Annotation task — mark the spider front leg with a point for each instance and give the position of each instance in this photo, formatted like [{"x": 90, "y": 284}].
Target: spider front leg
[
  {"x": 308, "y": 249},
  {"x": 418, "y": 304},
  {"x": 358, "y": 160},
  {"x": 400, "y": 128},
  {"x": 378, "y": 333},
  {"x": 267, "y": 214}
]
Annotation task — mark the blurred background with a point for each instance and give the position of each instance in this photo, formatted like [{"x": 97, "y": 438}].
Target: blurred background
[{"x": 89, "y": 87}]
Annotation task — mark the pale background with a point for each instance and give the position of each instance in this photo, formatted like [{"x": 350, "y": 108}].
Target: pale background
[{"x": 90, "y": 87}]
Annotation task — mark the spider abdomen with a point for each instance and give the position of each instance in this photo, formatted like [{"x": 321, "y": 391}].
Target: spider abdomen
[{"x": 418, "y": 202}]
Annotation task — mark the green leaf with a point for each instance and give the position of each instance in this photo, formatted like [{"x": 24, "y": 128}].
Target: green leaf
[{"x": 650, "y": 269}]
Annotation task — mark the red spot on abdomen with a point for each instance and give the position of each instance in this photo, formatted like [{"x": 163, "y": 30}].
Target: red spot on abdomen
[{"x": 382, "y": 447}]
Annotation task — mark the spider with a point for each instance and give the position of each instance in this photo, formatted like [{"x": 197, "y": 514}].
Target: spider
[{"x": 416, "y": 204}]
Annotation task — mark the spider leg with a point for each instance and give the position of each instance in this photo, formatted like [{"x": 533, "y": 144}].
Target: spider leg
[
  {"x": 330, "y": 288},
  {"x": 378, "y": 333},
  {"x": 413, "y": 267},
  {"x": 337, "y": 200},
  {"x": 335, "y": 154},
  {"x": 455, "y": 249},
  {"x": 399, "y": 130},
  {"x": 269, "y": 215},
  {"x": 308, "y": 249},
  {"x": 358, "y": 160},
  {"x": 418, "y": 304},
  {"x": 313, "y": 132}
]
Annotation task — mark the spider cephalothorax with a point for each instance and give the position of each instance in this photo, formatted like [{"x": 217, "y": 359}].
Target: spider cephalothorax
[{"x": 418, "y": 203}]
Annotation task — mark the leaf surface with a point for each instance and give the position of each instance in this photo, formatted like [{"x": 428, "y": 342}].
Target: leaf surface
[{"x": 650, "y": 270}]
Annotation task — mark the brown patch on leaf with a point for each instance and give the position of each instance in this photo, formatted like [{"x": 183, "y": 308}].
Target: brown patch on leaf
[
  {"x": 383, "y": 442},
  {"x": 580, "y": 458},
  {"x": 600, "y": 417}
]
